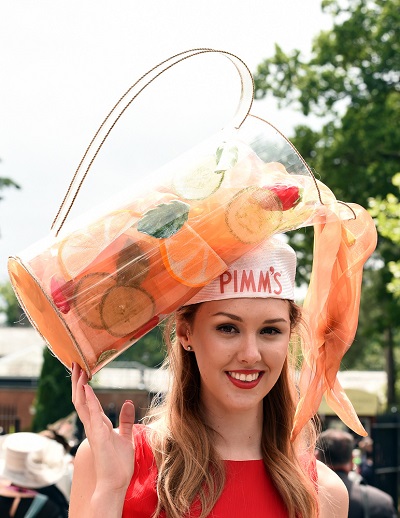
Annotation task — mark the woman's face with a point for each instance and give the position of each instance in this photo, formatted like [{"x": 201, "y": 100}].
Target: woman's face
[{"x": 240, "y": 347}]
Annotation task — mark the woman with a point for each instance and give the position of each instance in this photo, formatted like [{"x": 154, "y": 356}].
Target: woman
[{"x": 220, "y": 443}]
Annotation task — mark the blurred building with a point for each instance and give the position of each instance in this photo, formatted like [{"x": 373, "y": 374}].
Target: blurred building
[{"x": 21, "y": 359}]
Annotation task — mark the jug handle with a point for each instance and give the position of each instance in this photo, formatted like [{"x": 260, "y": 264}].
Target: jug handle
[{"x": 242, "y": 111}]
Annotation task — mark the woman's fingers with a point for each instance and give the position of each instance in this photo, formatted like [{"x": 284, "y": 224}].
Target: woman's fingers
[
  {"x": 97, "y": 416},
  {"x": 127, "y": 419},
  {"x": 79, "y": 399},
  {"x": 75, "y": 371}
]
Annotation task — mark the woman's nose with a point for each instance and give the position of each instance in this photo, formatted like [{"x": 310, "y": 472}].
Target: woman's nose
[{"x": 249, "y": 352}]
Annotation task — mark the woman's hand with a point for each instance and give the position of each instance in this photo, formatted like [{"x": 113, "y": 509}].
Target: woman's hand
[{"x": 104, "y": 467}]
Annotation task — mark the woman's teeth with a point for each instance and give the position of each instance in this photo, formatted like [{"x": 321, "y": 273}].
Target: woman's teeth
[{"x": 244, "y": 377}]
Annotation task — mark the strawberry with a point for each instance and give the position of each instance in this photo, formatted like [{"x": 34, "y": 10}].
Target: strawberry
[
  {"x": 61, "y": 291},
  {"x": 289, "y": 195}
]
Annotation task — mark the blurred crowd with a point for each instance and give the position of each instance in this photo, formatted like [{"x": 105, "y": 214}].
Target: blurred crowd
[{"x": 353, "y": 463}]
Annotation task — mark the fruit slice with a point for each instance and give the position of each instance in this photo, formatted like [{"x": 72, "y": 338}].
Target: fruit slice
[
  {"x": 189, "y": 259},
  {"x": 125, "y": 309},
  {"x": 79, "y": 249},
  {"x": 198, "y": 182},
  {"x": 132, "y": 264},
  {"x": 253, "y": 214},
  {"x": 88, "y": 294}
]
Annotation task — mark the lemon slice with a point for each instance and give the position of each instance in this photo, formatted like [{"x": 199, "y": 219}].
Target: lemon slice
[{"x": 79, "y": 249}]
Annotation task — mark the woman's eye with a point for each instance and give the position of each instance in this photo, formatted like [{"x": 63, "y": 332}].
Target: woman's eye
[
  {"x": 270, "y": 331},
  {"x": 226, "y": 328}
]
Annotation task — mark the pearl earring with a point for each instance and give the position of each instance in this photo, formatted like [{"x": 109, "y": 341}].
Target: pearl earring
[{"x": 189, "y": 348}]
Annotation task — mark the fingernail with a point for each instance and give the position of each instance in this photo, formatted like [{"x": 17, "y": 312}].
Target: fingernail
[{"x": 128, "y": 401}]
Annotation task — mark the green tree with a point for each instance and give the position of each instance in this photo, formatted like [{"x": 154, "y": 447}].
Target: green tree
[
  {"x": 387, "y": 216},
  {"x": 148, "y": 350},
  {"x": 6, "y": 183},
  {"x": 352, "y": 81},
  {"x": 53, "y": 396},
  {"x": 9, "y": 305}
]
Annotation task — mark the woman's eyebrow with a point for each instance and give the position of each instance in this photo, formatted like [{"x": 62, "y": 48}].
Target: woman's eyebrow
[
  {"x": 238, "y": 319},
  {"x": 229, "y": 315},
  {"x": 275, "y": 321}
]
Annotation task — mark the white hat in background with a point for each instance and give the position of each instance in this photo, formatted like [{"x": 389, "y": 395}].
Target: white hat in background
[{"x": 32, "y": 461}]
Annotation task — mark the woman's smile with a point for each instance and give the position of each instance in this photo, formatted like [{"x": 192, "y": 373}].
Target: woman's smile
[{"x": 245, "y": 379}]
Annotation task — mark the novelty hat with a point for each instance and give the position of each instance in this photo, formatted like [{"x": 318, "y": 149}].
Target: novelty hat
[{"x": 95, "y": 286}]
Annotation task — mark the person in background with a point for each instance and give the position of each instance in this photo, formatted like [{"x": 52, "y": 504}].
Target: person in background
[
  {"x": 366, "y": 468},
  {"x": 64, "y": 484},
  {"x": 335, "y": 449},
  {"x": 31, "y": 467},
  {"x": 220, "y": 443}
]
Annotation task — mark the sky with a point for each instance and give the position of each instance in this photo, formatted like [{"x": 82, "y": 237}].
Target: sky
[{"x": 64, "y": 63}]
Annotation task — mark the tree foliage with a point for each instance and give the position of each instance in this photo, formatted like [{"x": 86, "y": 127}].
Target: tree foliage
[
  {"x": 149, "y": 350},
  {"x": 387, "y": 216},
  {"x": 352, "y": 81},
  {"x": 53, "y": 396},
  {"x": 6, "y": 183},
  {"x": 9, "y": 305}
]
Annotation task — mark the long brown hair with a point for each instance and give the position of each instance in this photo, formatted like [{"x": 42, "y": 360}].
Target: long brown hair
[{"x": 190, "y": 469}]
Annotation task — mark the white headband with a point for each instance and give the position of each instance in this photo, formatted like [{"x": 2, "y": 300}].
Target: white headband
[{"x": 267, "y": 271}]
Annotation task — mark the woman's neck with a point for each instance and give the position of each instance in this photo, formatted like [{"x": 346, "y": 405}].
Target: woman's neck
[{"x": 238, "y": 435}]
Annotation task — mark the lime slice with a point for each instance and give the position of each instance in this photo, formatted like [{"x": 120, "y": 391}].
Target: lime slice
[
  {"x": 125, "y": 309},
  {"x": 88, "y": 294},
  {"x": 253, "y": 214},
  {"x": 199, "y": 182}
]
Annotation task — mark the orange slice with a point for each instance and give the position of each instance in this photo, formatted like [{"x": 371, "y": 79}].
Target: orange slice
[
  {"x": 88, "y": 294},
  {"x": 125, "y": 309},
  {"x": 253, "y": 214},
  {"x": 189, "y": 259},
  {"x": 132, "y": 264},
  {"x": 81, "y": 248}
]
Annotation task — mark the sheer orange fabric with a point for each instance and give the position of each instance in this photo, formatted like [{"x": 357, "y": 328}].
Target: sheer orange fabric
[{"x": 331, "y": 308}]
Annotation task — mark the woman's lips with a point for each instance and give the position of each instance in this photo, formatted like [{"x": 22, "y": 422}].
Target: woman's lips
[{"x": 245, "y": 379}]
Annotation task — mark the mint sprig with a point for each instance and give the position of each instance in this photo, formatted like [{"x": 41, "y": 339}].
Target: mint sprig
[
  {"x": 226, "y": 156},
  {"x": 164, "y": 220}
]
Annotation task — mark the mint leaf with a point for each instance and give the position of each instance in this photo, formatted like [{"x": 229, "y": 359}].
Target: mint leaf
[
  {"x": 165, "y": 220},
  {"x": 227, "y": 156}
]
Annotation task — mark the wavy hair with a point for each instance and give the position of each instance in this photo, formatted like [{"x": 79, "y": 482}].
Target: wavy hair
[{"x": 190, "y": 471}]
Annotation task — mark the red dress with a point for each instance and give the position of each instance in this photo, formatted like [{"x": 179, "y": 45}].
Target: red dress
[{"x": 248, "y": 490}]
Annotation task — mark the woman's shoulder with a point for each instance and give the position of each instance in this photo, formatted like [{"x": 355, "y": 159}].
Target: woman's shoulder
[{"x": 332, "y": 493}]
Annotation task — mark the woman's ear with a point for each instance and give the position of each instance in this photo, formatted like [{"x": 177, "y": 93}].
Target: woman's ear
[{"x": 183, "y": 333}]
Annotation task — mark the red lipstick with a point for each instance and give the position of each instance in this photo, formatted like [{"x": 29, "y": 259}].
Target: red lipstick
[{"x": 242, "y": 383}]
